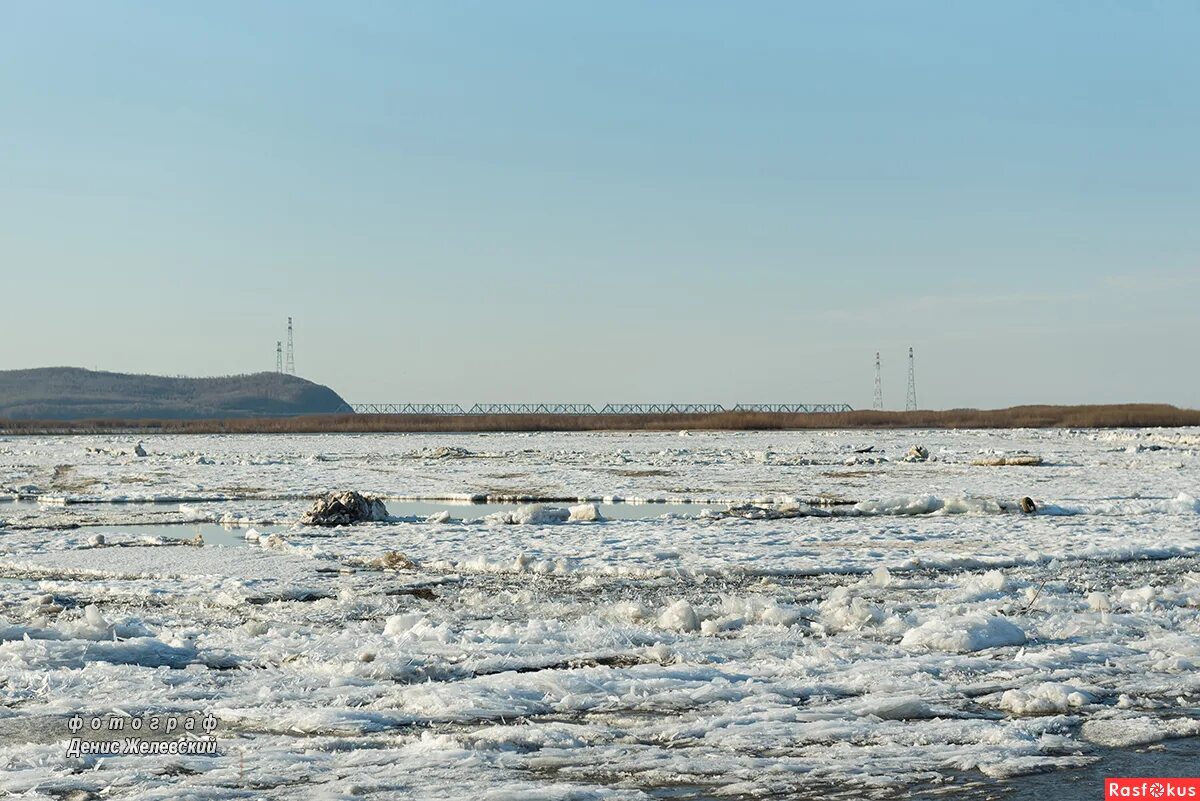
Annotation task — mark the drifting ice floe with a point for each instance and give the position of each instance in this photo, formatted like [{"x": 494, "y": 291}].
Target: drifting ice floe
[{"x": 963, "y": 635}]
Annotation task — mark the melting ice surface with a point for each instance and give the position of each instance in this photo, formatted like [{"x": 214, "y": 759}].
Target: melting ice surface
[
  {"x": 920, "y": 636},
  {"x": 241, "y": 531}
]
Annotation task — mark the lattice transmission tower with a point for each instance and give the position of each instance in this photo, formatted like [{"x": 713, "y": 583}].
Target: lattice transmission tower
[
  {"x": 278, "y": 356},
  {"x": 878, "y": 404},
  {"x": 291, "y": 353},
  {"x": 910, "y": 405}
]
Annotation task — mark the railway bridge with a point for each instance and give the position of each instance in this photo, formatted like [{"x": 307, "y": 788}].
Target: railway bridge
[{"x": 579, "y": 409}]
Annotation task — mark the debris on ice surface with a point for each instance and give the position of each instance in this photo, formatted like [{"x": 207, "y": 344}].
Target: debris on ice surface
[
  {"x": 917, "y": 453},
  {"x": 344, "y": 509},
  {"x": 963, "y": 635}
]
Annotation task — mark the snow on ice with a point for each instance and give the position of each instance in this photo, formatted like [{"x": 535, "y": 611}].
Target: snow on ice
[{"x": 860, "y": 622}]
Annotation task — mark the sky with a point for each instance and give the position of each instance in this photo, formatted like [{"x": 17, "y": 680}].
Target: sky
[{"x": 610, "y": 202}]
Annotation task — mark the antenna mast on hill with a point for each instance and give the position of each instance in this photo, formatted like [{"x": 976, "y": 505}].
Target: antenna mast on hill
[
  {"x": 910, "y": 405},
  {"x": 878, "y": 405},
  {"x": 291, "y": 353},
  {"x": 278, "y": 356}
]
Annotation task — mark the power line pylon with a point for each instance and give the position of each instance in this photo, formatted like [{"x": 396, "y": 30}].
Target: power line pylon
[
  {"x": 291, "y": 353},
  {"x": 278, "y": 356},
  {"x": 878, "y": 405},
  {"x": 910, "y": 405}
]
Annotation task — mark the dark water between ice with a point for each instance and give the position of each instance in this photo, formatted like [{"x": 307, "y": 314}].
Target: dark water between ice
[{"x": 1173, "y": 758}]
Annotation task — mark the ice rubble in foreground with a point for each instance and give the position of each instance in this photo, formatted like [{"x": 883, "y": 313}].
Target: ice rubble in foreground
[{"x": 934, "y": 637}]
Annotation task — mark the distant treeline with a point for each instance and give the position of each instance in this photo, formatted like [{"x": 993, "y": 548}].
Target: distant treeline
[{"x": 1133, "y": 415}]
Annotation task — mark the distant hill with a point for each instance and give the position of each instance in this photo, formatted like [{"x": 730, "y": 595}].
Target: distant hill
[{"x": 71, "y": 393}]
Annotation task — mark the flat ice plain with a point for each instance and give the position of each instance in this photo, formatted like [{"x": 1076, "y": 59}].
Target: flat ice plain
[{"x": 911, "y": 634}]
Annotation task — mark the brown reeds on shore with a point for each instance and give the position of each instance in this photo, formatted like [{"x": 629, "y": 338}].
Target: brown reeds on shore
[{"x": 1133, "y": 415}]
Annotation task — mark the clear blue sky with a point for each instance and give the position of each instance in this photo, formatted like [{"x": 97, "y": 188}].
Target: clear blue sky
[{"x": 702, "y": 202}]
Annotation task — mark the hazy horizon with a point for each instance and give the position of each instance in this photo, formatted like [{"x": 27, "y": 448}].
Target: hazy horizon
[
  {"x": 597, "y": 403},
  {"x": 531, "y": 202}
]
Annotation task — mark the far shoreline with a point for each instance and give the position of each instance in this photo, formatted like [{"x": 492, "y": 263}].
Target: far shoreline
[{"x": 1134, "y": 415}]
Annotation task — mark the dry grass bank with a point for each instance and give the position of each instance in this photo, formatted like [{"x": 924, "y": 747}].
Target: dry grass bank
[{"x": 1137, "y": 415}]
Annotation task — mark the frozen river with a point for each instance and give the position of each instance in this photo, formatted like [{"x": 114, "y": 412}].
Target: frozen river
[{"x": 857, "y": 626}]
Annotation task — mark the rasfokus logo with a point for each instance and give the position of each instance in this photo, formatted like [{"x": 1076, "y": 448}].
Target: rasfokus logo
[{"x": 1164, "y": 788}]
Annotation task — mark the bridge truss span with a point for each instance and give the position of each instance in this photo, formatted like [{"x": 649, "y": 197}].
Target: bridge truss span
[
  {"x": 407, "y": 408},
  {"x": 532, "y": 408},
  {"x": 663, "y": 408},
  {"x": 580, "y": 409},
  {"x": 794, "y": 408}
]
